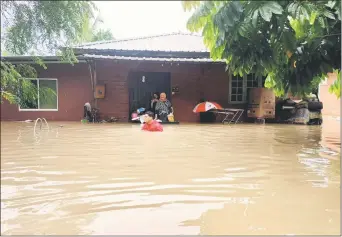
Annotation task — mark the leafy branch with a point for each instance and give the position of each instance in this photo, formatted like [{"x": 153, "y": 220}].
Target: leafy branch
[
  {"x": 39, "y": 28},
  {"x": 292, "y": 43}
]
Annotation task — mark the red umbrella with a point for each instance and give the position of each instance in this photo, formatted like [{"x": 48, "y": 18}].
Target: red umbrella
[{"x": 206, "y": 106}]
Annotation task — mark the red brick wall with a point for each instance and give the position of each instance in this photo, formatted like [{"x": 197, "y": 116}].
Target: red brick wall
[
  {"x": 208, "y": 81},
  {"x": 331, "y": 105},
  {"x": 115, "y": 78},
  {"x": 74, "y": 89}
]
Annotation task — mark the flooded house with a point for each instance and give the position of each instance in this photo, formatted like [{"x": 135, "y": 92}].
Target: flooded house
[{"x": 118, "y": 76}]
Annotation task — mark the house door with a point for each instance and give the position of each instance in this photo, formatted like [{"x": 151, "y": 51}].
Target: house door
[{"x": 142, "y": 85}]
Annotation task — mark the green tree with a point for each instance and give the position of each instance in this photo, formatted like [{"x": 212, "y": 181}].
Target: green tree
[
  {"x": 101, "y": 35},
  {"x": 294, "y": 43},
  {"x": 38, "y": 28},
  {"x": 335, "y": 88},
  {"x": 94, "y": 33},
  {"x": 22, "y": 92}
]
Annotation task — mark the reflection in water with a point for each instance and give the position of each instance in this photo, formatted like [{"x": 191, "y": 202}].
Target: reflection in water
[{"x": 204, "y": 179}]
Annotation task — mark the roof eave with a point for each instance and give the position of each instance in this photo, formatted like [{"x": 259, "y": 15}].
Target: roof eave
[
  {"x": 30, "y": 59},
  {"x": 151, "y": 59},
  {"x": 143, "y": 53}
]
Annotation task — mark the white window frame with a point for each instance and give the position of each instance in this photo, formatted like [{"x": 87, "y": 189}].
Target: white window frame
[
  {"x": 230, "y": 90},
  {"x": 38, "y": 79},
  {"x": 244, "y": 89}
]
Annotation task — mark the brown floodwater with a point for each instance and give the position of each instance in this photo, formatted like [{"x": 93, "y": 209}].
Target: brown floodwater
[{"x": 191, "y": 179}]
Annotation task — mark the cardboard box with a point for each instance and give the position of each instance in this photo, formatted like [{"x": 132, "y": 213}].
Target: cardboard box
[{"x": 261, "y": 103}]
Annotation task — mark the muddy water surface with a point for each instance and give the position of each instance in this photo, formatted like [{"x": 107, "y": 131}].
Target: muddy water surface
[{"x": 190, "y": 179}]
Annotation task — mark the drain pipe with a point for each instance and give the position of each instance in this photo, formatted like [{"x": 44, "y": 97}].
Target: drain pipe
[
  {"x": 91, "y": 74},
  {"x": 95, "y": 83},
  {"x": 91, "y": 68}
]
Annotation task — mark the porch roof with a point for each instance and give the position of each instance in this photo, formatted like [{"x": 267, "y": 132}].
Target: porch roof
[
  {"x": 83, "y": 58},
  {"x": 153, "y": 59}
]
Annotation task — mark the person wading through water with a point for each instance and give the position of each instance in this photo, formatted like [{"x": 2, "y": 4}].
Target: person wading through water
[{"x": 150, "y": 124}]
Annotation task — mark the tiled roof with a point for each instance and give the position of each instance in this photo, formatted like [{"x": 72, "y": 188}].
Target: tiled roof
[
  {"x": 174, "y": 42},
  {"x": 196, "y": 60}
]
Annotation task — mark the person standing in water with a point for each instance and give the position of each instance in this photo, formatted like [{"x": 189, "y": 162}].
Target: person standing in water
[
  {"x": 163, "y": 108},
  {"x": 150, "y": 124}
]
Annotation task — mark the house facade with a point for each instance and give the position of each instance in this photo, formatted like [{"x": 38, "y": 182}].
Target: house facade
[{"x": 131, "y": 71}]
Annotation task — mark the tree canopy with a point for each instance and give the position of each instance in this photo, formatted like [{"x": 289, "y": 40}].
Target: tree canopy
[
  {"x": 293, "y": 43},
  {"x": 36, "y": 26},
  {"x": 100, "y": 35},
  {"x": 40, "y": 28},
  {"x": 94, "y": 32},
  {"x": 335, "y": 88}
]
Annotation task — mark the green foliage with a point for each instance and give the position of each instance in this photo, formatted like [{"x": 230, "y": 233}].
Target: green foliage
[
  {"x": 48, "y": 25},
  {"x": 335, "y": 88},
  {"x": 292, "y": 43},
  {"x": 92, "y": 32},
  {"x": 102, "y": 35},
  {"x": 16, "y": 90},
  {"x": 189, "y": 5},
  {"x": 39, "y": 27}
]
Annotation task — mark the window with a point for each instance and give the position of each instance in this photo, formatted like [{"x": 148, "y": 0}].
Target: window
[
  {"x": 236, "y": 93},
  {"x": 46, "y": 95},
  {"x": 239, "y": 87},
  {"x": 252, "y": 81}
]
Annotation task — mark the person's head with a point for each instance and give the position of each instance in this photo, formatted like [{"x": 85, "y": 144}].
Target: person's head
[
  {"x": 163, "y": 96},
  {"x": 156, "y": 95},
  {"x": 148, "y": 117}
]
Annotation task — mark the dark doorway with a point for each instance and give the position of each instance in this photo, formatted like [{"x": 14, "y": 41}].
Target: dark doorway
[{"x": 142, "y": 85}]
